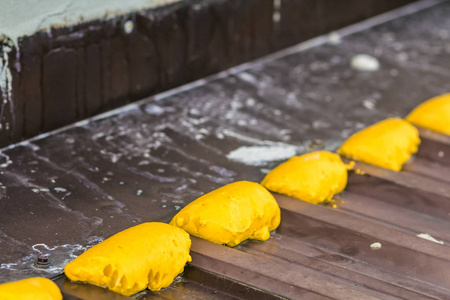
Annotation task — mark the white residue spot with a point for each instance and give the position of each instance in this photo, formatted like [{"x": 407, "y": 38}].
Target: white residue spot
[
  {"x": 220, "y": 135},
  {"x": 258, "y": 155},
  {"x": 375, "y": 246},
  {"x": 139, "y": 192},
  {"x": 143, "y": 163},
  {"x": 242, "y": 122},
  {"x": 364, "y": 62},
  {"x": 194, "y": 112},
  {"x": 369, "y": 104},
  {"x": 250, "y": 102},
  {"x": 154, "y": 109},
  {"x": 203, "y": 131},
  {"x": 334, "y": 38},
  {"x": 60, "y": 189},
  {"x": 247, "y": 77},
  {"x": 441, "y": 154},
  {"x": 428, "y": 237},
  {"x": 128, "y": 26},
  {"x": 115, "y": 157}
]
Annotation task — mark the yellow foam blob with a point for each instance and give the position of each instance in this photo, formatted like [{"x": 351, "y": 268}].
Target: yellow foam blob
[
  {"x": 147, "y": 255},
  {"x": 231, "y": 214},
  {"x": 388, "y": 144},
  {"x": 36, "y": 288},
  {"x": 433, "y": 114},
  {"x": 313, "y": 177}
]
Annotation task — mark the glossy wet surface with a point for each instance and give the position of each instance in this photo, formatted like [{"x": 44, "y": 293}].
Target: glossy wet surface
[{"x": 70, "y": 190}]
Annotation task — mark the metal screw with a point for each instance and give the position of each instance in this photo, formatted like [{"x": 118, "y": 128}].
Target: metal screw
[{"x": 42, "y": 262}]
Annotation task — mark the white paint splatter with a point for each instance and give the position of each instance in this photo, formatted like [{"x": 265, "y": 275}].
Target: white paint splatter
[
  {"x": 369, "y": 104},
  {"x": 364, "y": 62},
  {"x": 60, "y": 189},
  {"x": 375, "y": 246},
  {"x": 258, "y": 155},
  {"x": 247, "y": 77},
  {"x": 154, "y": 109},
  {"x": 428, "y": 237}
]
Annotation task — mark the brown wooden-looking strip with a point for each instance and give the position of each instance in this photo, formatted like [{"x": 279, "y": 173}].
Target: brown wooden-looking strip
[
  {"x": 347, "y": 262},
  {"x": 277, "y": 252},
  {"x": 274, "y": 276},
  {"x": 417, "y": 200},
  {"x": 434, "y": 147},
  {"x": 107, "y": 97},
  {"x": 143, "y": 65},
  {"x": 72, "y": 290},
  {"x": 261, "y": 26},
  {"x": 31, "y": 91},
  {"x": 434, "y": 136},
  {"x": 193, "y": 283},
  {"x": 351, "y": 235},
  {"x": 222, "y": 285},
  {"x": 59, "y": 70},
  {"x": 428, "y": 168},
  {"x": 408, "y": 179},
  {"x": 93, "y": 79},
  {"x": 120, "y": 81},
  {"x": 396, "y": 216},
  {"x": 241, "y": 274},
  {"x": 170, "y": 42},
  {"x": 80, "y": 91}
]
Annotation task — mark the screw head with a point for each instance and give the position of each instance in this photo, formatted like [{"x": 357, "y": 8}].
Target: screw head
[{"x": 42, "y": 262}]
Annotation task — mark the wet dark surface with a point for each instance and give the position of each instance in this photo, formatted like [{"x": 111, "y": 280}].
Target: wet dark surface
[
  {"x": 67, "y": 191},
  {"x": 68, "y": 73}
]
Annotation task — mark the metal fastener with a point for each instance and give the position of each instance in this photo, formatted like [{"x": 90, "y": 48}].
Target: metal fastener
[{"x": 42, "y": 262}]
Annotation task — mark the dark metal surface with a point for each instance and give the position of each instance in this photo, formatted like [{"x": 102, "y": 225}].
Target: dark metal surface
[
  {"x": 72, "y": 72},
  {"x": 66, "y": 191}
]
